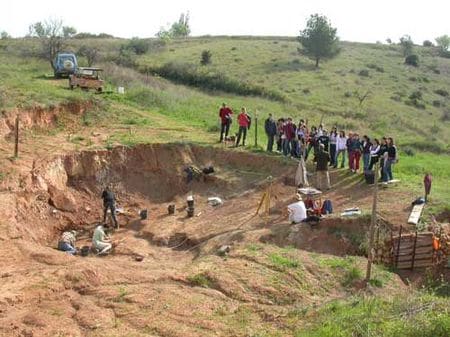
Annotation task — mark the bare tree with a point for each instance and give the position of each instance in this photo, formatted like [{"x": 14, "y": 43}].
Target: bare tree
[
  {"x": 91, "y": 54},
  {"x": 362, "y": 96},
  {"x": 53, "y": 36}
]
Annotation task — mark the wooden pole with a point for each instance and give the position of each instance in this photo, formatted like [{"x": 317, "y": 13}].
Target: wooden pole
[
  {"x": 256, "y": 128},
  {"x": 414, "y": 252},
  {"x": 397, "y": 254},
  {"x": 16, "y": 138},
  {"x": 373, "y": 223}
]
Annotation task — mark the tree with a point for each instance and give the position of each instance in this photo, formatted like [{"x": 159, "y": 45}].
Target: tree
[
  {"x": 181, "y": 29},
  {"x": 4, "y": 35},
  {"x": 427, "y": 43},
  {"x": 407, "y": 45},
  {"x": 91, "y": 54},
  {"x": 319, "y": 39},
  {"x": 443, "y": 42},
  {"x": 53, "y": 36},
  {"x": 205, "y": 58}
]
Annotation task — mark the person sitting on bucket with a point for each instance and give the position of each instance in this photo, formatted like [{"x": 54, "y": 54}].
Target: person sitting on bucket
[
  {"x": 100, "y": 240},
  {"x": 297, "y": 210},
  {"x": 67, "y": 242}
]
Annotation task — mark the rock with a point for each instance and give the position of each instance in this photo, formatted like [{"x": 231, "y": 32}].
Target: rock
[
  {"x": 223, "y": 250},
  {"x": 62, "y": 200}
]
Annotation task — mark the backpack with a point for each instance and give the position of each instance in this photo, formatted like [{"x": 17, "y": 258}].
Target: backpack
[{"x": 327, "y": 207}]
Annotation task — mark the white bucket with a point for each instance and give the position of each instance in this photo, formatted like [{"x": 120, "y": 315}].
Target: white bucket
[{"x": 121, "y": 90}]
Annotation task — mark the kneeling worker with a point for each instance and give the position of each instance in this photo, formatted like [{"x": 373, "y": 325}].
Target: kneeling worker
[
  {"x": 67, "y": 242},
  {"x": 100, "y": 240},
  {"x": 297, "y": 210}
]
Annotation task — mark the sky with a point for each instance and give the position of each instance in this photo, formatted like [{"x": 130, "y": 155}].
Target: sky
[{"x": 355, "y": 20}]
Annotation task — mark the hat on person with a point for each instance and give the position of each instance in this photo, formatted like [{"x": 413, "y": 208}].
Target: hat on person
[
  {"x": 322, "y": 146},
  {"x": 298, "y": 196}
]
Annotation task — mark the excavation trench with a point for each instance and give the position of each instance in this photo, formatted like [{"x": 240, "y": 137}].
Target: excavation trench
[{"x": 66, "y": 191}]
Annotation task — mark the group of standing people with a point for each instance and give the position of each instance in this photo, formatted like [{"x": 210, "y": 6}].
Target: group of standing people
[
  {"x": 244, "y": 121},
  {"x": 297, "y": 140}
]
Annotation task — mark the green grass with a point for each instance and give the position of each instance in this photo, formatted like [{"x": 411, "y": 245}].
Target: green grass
[
  {"x": 414, "y": 315},
  {"x": 283, "y": 261}
]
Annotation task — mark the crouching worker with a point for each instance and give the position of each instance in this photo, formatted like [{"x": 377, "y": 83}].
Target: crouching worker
[
  {"x": 100, "y": 240},
  {"x": 67, "y": 242},
  {"x": 297, "y": 210}
]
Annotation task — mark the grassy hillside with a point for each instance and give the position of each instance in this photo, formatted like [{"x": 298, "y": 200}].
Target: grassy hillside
[
  {"x": 178, "y": 112},
  {"x": 330, "y": 90}
]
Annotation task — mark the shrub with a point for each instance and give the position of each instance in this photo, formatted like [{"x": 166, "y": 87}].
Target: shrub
[
  {"x": 415, "y": 99},
  {"x": 139, "y": 46},
  {"x": 446, "y": 116},
  {"x": 233, "y": 48},
  {"x": 412, "y": 60},
  {"x": 437, "y": 103},
  {"x": 375, "y": 67},
  {"x": 189, "y": 74},
  {"x": 407, "y": 45},
  {"x": 351, "y": 275},
  {"x": 205, "y": 58},
  {"x": 348, "y": 94},
  {"x": 427, "y": 43},
  {"x": 409, "y": 151},
  {"x": 306, "y": 91},
  {"x": 364, "y": 73},
  {"x": 441, "y": 92}
]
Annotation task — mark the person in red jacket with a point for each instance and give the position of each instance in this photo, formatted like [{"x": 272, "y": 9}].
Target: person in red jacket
[
  {"x": 225, "y": 120},
  {"x": 244, "y": 123}
]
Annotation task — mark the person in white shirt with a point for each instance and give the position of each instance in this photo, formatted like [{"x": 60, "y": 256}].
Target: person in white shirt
[
  {"x": 341, "y": 147},
  {"x": 100, "y": 240},
  {"x": 374, "y": 153},
  {"x": 297, "y": 210}
]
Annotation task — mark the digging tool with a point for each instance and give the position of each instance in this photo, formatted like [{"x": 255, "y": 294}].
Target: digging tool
[{"x": 265, "y": 198}]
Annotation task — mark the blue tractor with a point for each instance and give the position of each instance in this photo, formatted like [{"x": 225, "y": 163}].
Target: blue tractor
[{"x": 64, "y": 64}]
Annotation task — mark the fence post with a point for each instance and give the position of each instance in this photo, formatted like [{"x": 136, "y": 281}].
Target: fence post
[
  {"x": 373, "y": 222},
  {"x": 414, "y": 252},
  {"x": 16, "y": 138},
  {"x": 398, "y": 245},
  {"x": 256, "y": 128}
]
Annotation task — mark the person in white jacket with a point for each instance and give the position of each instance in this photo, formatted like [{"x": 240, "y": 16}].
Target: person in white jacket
[{"x": 341, "y": 148}]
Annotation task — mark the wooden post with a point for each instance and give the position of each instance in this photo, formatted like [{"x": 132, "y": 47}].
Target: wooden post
[
  {"x": 398, "y": 245},
  {"x": 16, "y": 138},
  {"x": 373, "y": 223},
  {"x": 256, "y": 128},
  {"x": 414, "y": 252}
]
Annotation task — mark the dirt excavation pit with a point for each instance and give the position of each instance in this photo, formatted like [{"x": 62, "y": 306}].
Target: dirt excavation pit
[
  {"x": 166, "y": 266},
  {"x": 65, "y": 192}
]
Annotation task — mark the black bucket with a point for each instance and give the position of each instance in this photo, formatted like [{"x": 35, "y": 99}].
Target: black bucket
[
  {"x": 190, "y": 212},
  {"x": 171, "y": 209},
  {"x": 143, "y": 214},
  {"x": 84, "y": 251},
  {"x": 190, "y": 203}
]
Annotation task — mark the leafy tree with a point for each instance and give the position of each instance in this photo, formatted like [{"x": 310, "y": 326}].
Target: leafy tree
[
  {"x": 91, "y": 54},
  {"x": 205, "y": 58},
  {"x": 407, "y": 45},
  {"x": 427, "y": 43},
  {"x": 164, "y": 35},
  {"x": 181, "y": 28},
  {"x": 53, "y": 36},
  {"x": 4, "y": 35},
  {"x": 443, "y": 42},
  {"x": 388, "y": 41},
  {"x": 319, "y": 39},
  {"x": 412, "y": 60}
]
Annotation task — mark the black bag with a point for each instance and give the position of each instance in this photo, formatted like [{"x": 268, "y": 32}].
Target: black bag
[
  {"x": 369, "y": 176},
  {"x": 208, "y": 170}
]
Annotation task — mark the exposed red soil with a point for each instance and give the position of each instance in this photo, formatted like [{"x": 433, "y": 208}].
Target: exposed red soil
[{"x": 44, "y": 292}]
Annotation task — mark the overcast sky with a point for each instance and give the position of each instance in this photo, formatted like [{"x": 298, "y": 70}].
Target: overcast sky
[{"x": 356, "y": 20}]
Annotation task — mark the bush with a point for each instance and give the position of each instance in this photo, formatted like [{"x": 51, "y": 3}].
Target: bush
[
  {"x": 427, "y": 43},
  {"x": 348, "y": 94},
  {"x": 445, "y": 116},
  {"x": 415, "y": 99},
  {"x": 375, "y": 67},
  {"x": 437, "y": 103},
  {"x": 205, "y": 58},
  {"x": 189, "y": 74},
  {"x": 441, "y": 92},
  {"x": 139, "y": 46},
  {"x": 409, "y": 151},
  {"x": 364, "y": 73},
  {"x": 412, "y": 60}
]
